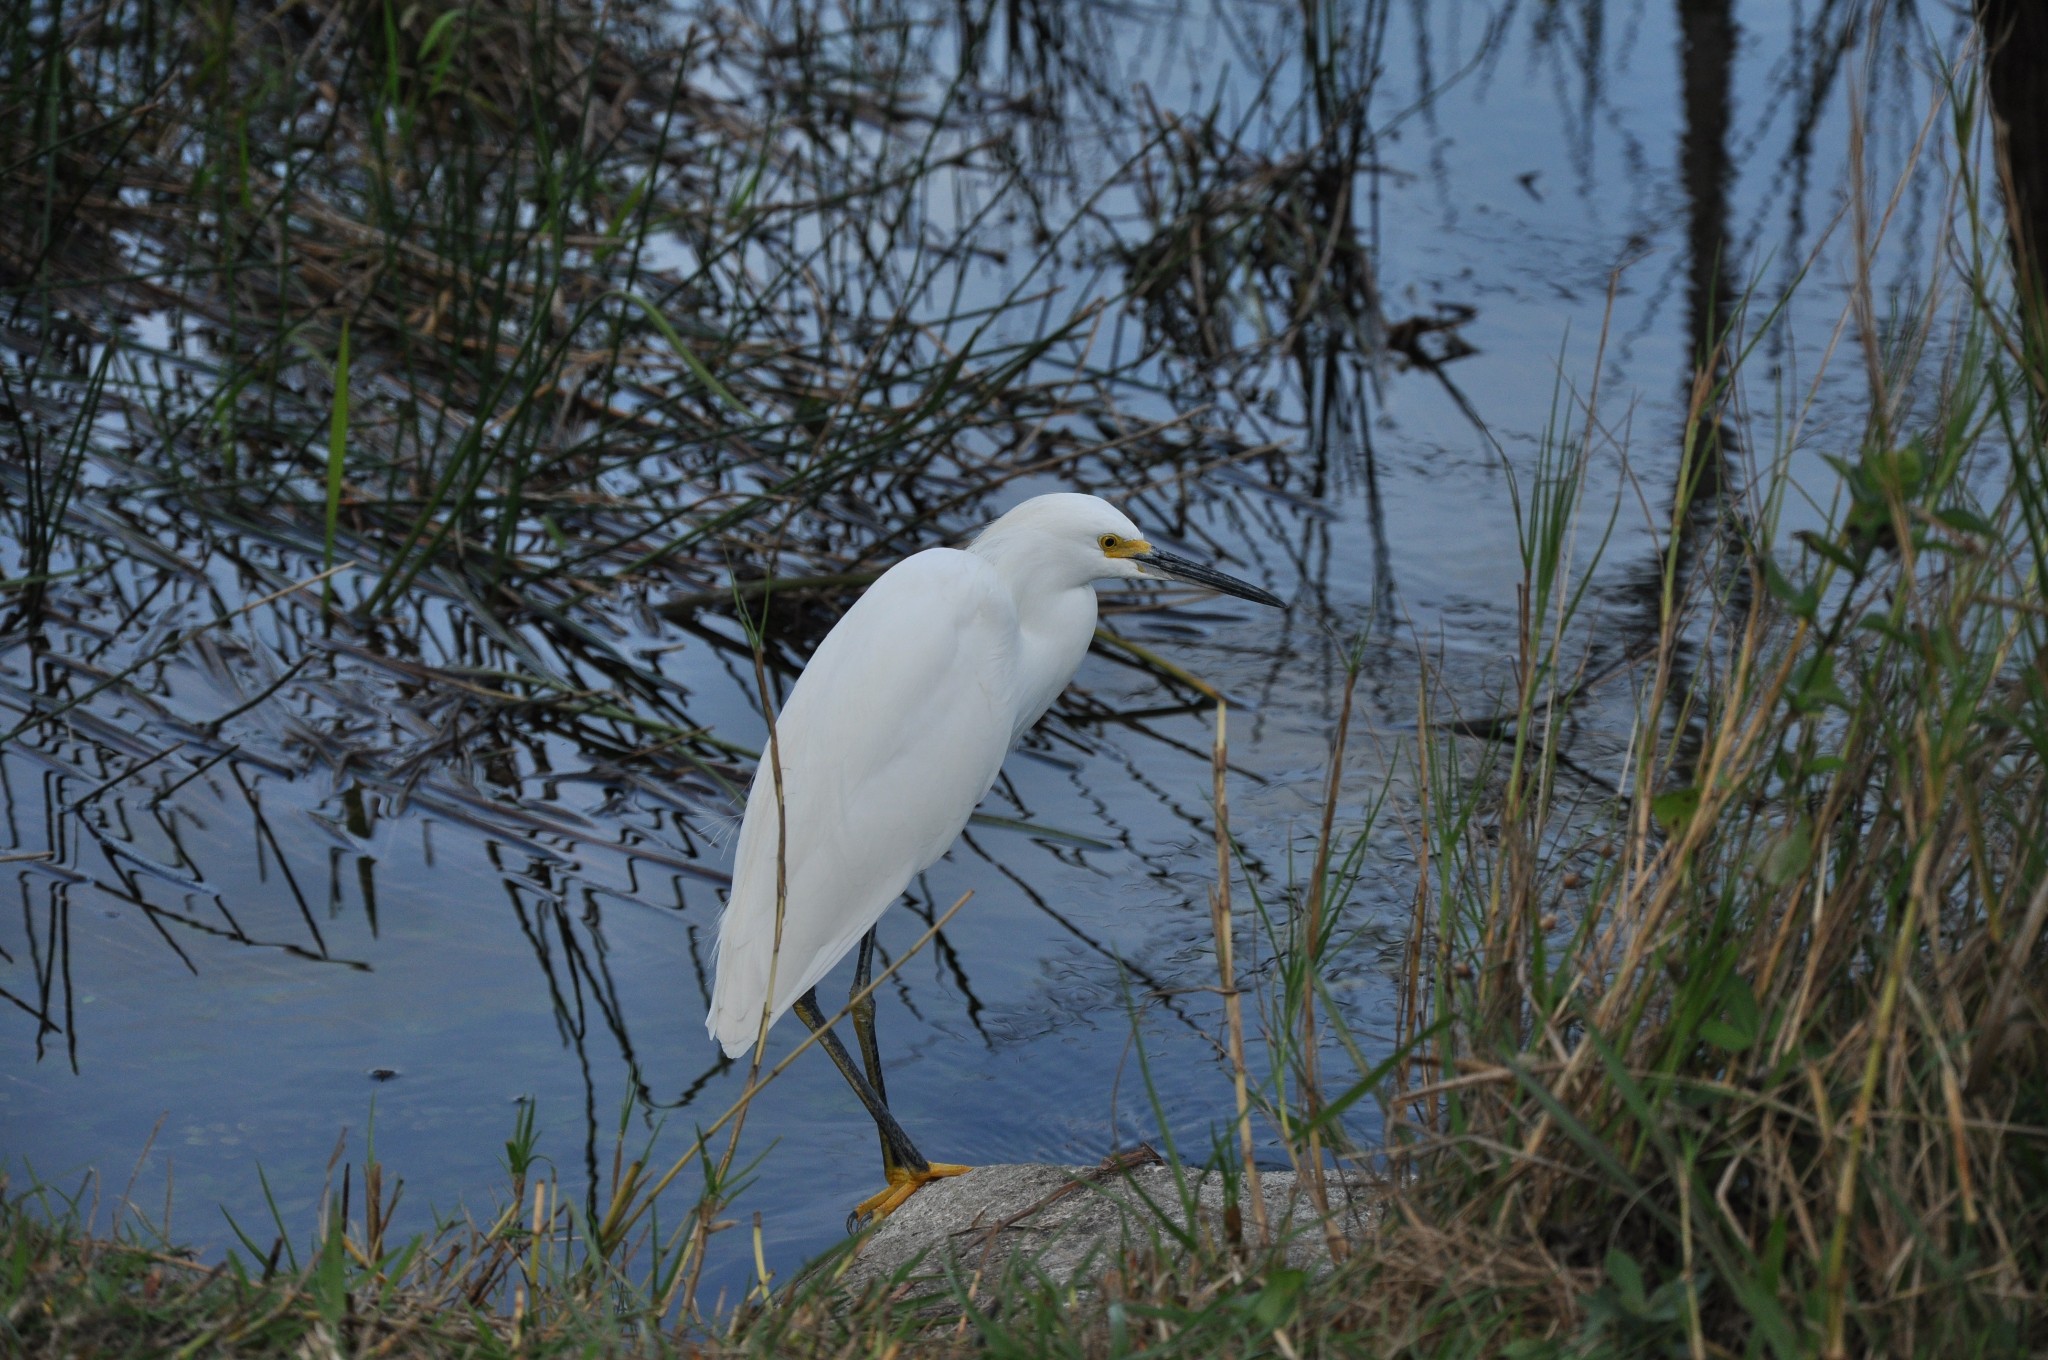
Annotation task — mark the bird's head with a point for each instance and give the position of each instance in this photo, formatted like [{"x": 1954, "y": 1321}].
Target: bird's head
[{"x": 1068, "y": 538}]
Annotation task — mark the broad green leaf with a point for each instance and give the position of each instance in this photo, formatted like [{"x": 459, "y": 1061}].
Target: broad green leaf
[
  {"x": 1673, "y": 808},
  {"x": 1789, "y": 857}
]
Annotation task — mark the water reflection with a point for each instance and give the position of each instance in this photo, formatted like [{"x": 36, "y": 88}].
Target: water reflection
[{"x": 1703, "y": 490}]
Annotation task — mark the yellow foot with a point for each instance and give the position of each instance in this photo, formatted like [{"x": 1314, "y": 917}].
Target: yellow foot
[{"x": 902, "y": 1185}]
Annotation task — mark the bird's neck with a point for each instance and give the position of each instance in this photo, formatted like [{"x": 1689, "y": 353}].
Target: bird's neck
[
  {"x": 1055, "y": 617},
  {"x": 1057, "y": 626}
]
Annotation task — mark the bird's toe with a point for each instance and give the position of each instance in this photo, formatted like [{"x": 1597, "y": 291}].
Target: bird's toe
[{"x": 902, "y": 1185}]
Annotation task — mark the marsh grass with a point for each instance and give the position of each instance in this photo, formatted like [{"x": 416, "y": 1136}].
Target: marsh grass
[
  {"x": 1745, "y": 1056},
  {"x": 1753, "y": 1063},
  {"x": 520, "y": 312}
]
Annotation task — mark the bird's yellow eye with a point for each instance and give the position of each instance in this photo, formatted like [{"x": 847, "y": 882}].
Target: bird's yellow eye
[{"x": 1116, "y": 545}]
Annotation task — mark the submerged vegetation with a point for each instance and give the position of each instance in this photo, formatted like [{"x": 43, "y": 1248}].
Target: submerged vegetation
[
  {"x": 499, "y": 316},
  {"x": 373, "y": 371}
]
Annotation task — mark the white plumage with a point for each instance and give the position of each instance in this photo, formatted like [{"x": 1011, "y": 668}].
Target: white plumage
[{"x": 893, "y": 733}]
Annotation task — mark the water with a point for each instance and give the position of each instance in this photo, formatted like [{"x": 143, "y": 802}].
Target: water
[{"x": 249, "y": 969}]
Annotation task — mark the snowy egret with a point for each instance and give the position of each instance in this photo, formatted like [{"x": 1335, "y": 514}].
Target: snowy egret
[{"x": 893, "y": 733}]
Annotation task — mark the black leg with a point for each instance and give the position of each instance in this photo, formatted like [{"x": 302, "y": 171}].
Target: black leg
[
  {"x": 864, "y": 1026},
  {"x": 864, "y": 1030},
  {"x": 897, "y": 1149}
]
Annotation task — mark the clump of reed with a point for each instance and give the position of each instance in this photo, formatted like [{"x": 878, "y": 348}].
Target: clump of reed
[{"x": 1748, "y": 1055}]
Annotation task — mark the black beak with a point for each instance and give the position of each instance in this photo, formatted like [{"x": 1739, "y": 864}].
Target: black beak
[{"x": 1194, "y": 573}]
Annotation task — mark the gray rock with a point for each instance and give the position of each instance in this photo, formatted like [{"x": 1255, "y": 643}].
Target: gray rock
[{"x": 1070, "y": 1220}]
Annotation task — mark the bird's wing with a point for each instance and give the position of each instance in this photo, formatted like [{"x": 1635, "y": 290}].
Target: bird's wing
[{"x": 893, "y": 733}]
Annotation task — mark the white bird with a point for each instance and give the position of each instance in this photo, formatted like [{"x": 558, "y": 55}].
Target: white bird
[{"x": 893, "y": 733}]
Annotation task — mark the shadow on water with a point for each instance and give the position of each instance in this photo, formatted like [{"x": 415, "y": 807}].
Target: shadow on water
[{"x": 383, "y": 492}]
